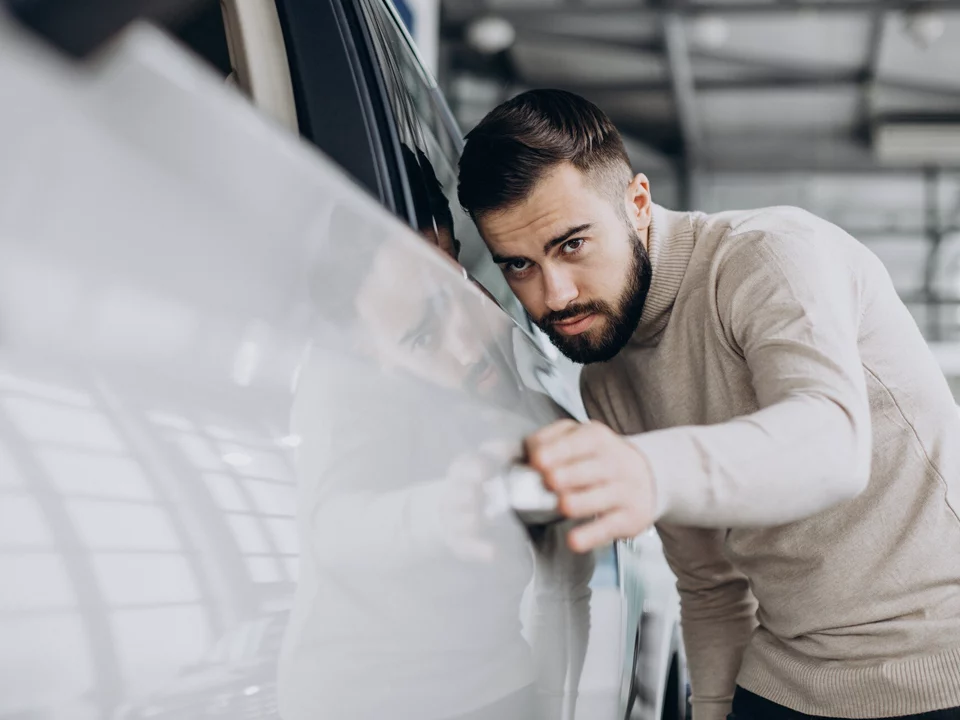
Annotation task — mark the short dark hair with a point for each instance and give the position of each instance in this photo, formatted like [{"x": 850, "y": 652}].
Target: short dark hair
[{"x": 520, "y": 140}]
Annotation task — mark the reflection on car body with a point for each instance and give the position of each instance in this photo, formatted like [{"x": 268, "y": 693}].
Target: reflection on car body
[
  {"x": 407, "y": 576},
  {"x": 155, "y": 414},
  {"x": 234, "y": 679}
]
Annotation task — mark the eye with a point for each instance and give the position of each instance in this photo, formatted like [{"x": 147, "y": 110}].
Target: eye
[
  {"x": 424, "y": 341},
  {"x": 517, "y": 267},
  {"x": 573, "y": 246}
]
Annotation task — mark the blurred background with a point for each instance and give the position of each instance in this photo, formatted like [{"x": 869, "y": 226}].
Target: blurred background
[{"x": 848, "y": 109}]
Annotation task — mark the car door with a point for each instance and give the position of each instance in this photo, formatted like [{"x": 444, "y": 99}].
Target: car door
[
  {"x": 425, "y": 123},
  {"x": 209, "y": 328},
  {"x": 352, "y": 61}
]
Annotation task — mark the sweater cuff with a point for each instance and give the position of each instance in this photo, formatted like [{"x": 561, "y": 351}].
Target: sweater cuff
[{"x": 673, "y": 471}]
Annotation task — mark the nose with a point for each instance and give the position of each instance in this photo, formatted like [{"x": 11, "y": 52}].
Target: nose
[
  {"x": 559, "y": 289},
  {"x": 461, "y": 340}
]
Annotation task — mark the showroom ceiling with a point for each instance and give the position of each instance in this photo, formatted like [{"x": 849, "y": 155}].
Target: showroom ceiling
[{"x": 737, "y": 85}]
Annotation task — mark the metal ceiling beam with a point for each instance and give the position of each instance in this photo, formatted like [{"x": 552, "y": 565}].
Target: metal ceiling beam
[
  {"x": 735, "y": 7},
  {"x": 816, "y": 165},
  {"x": 766, "y": 82},
  {"x": 683, "y": 89},
  {"x": 650, "y": 46},
  {"x": 769, "y": 81},
  {"x": 871, "y": 71}
]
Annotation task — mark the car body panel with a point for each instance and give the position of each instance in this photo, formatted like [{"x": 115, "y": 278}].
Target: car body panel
[{"x": 206, "y": 329}]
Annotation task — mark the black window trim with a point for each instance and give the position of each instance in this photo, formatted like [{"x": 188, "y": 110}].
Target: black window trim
[
  {"x": 402, "y": 182},
  {"x": 318, "y": 33}
]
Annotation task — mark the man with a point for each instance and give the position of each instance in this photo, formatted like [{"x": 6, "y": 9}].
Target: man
[{"x": 766, "y": 399}]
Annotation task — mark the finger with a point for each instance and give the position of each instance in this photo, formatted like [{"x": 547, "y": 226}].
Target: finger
[
  {"x": 554, "y": 430},
  {"x": 578, "y": 444},
  {"x": 598, "y": 533},
  {"x": 577, "y": 474},
  {"x": 545, "y": 436},
  {"x": 598, "y": 500}
]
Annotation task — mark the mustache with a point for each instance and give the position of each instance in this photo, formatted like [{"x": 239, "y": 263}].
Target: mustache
[{"x": 572, "y": 311}]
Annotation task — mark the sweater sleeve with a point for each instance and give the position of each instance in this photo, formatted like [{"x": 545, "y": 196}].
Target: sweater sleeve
[
  {"x": 791, "y": 309},
  {"x": 717, "y": 608},
  {"x": 717, "y": 614}
]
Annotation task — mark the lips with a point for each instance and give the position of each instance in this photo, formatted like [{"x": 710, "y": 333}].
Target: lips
[{"x": 577, "y": 325}]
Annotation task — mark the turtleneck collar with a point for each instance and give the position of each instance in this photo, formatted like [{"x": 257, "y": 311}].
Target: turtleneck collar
[{"x": 670, "y": 242}]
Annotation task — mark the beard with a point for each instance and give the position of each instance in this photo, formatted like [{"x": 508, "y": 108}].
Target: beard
[{"x": 622, "y": 318}]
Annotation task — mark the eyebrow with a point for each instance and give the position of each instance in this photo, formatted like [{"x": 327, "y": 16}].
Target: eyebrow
[{"x": 550, "y": 245}]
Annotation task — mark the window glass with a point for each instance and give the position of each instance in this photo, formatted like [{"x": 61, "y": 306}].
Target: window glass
[
  {"x": 431, "y": 156},
  {"x": 203, "y": 32}
]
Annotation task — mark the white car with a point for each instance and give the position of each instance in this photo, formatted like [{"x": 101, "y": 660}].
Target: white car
[{"x": 258, "y": 438}]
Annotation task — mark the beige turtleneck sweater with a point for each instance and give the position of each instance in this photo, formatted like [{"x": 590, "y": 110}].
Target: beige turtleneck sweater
[{"x": 790, "y": 409}]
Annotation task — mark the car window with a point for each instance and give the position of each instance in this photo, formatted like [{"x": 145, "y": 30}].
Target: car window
[
  {"x": 243, "y": 42},
  {"x": 431, "y": 154},
  {"x": 204, "y": 33}
]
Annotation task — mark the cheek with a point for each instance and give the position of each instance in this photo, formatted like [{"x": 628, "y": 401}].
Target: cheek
[
  {"x": 530, "y": 295},
  {"x": 605, "y": 275}
]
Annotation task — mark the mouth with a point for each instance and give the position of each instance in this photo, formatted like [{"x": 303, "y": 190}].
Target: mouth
[
  {"x": 483, "y": 377},
  {"x": 576, "y": 325}
]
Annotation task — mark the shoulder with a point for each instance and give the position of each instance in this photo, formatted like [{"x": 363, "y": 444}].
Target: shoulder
[
  {"x": 780, "y": 221},
  {"x": 786, "y": 263},
  {"x": 778, "y": 239},
  {"x": 598, "y": 389}
]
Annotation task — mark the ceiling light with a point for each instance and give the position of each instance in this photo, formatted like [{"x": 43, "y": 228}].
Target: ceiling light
[
  {"x": 491, "y": 35},
  {"x": 925, "y": 27},
  {"x": 710, "y": 31}
]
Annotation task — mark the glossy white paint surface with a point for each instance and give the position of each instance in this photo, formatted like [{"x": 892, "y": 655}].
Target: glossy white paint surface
[{"x": 253, "y": 431}]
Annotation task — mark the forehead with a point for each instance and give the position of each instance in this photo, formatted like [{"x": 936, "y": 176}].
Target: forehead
[{"x": 562, "y": 199}]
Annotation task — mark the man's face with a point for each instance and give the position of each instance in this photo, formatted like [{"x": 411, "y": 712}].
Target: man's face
[{"x": 577, "y": 260}]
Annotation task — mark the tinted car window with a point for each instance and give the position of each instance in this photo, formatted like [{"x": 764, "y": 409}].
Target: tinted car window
[
  {"x": 203, "y": 32},
  {"x": 431, "y": 153}
]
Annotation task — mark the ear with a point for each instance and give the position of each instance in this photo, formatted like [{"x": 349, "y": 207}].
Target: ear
[{"x": 638, "y": 203}]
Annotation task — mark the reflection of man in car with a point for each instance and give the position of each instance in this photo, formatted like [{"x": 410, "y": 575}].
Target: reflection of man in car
[
  {"x": 411, "y": 575},
  {"x": 431, "y": 206},
  {"x": 774, "y": 390},
  {"x": 411, "y": 318},
  {"x": 425, "y": 332}
]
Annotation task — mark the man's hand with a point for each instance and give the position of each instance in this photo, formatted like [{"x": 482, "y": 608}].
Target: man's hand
[{"x": 595, "y": 473}]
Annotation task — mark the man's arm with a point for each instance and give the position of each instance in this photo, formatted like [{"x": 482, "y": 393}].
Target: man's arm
[
  {"x": 717, "y": 612},
  {"x": 717, "y": 608},
  {"x": 792, "y": 310}
]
